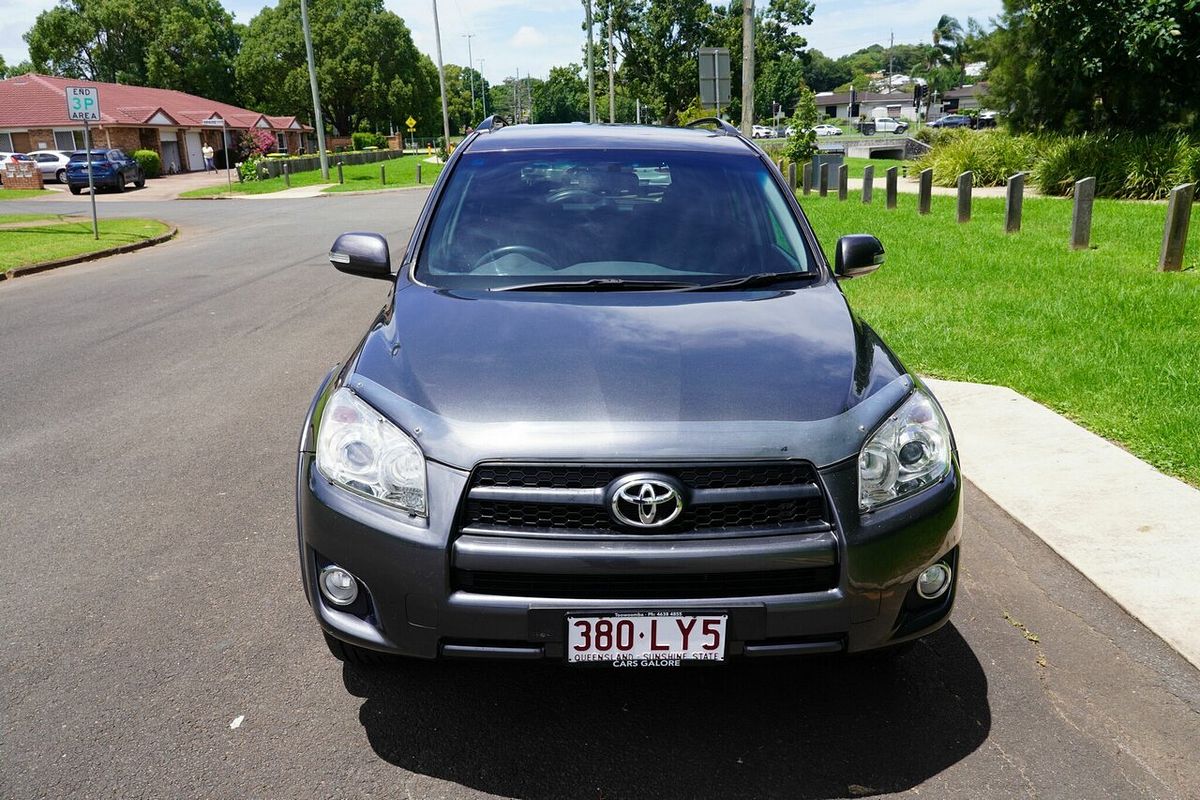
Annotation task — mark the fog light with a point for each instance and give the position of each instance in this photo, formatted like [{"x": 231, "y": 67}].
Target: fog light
[
  {"x": 934, "y": 582},
  {"x": 338, "y": 586}
]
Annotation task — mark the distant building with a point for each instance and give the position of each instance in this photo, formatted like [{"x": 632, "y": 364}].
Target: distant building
[
  {"x": 963, "y": 98},
  {"x": 33, "y": 116},
  {"x": 897, "y": 105}
]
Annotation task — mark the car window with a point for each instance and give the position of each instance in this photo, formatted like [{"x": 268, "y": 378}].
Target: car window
[{"x": 510, "y": 217}]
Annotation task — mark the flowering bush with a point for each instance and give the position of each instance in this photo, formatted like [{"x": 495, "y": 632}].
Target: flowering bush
[{"x": 257, "y": 142}]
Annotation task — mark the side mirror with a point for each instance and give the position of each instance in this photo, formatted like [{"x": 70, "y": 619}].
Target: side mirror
[
  {"x": 364, "y": 254},
  {"x": 857, "y": 254}
]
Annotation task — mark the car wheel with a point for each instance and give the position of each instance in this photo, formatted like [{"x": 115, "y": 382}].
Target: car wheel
[
  {"x": 61, "y": 176},
  {"x": 141, "y": 181},
  {"x": 75, "y": 189},
  {"x": 120, "y": 183},
  {"x": 352, "y": 654}
]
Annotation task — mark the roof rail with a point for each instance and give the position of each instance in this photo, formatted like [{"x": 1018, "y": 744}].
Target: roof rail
[
  {"x": 723, "y": 126},
  {"x": 491, "y": 123}
]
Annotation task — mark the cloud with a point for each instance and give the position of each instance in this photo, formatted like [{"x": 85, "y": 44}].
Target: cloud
[{"x": 527, "y": 36}]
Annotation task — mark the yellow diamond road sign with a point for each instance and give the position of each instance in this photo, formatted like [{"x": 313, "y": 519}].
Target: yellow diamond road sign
[{"x": 412, "y": 123}]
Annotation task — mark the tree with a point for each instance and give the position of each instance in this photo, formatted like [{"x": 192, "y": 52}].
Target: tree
[
  {"x": 802, "y": 142},
  {"x": 947, "y": 37},
  {"x": 1073, "y": 66},
  {"x": 193, "y": 48},
  {"x": 368, "y": 69},
  {"x": 660, "y": 41},
  {"x": 563, "y": 96},
  {"x": 822, "y": 73}
]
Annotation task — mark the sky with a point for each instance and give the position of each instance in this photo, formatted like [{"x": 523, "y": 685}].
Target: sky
[{"x": 533, "y": 35}]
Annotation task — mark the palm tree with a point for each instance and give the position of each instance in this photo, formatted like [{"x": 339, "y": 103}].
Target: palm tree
[{"x": 948, "y": 37}]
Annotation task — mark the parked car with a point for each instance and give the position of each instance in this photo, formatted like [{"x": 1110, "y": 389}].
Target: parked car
[
  {"x": 763, "y": 132},
  {"x": 890, "y": 125},
  {"x": 827, "y": 130},
  {"x": 6, "y": 156},
  {"x": 110, "y": 168},
  {"x": 951, "y": 121},
  {"x": 52, "y": 163},
  {"x": 676, "y": 444}
]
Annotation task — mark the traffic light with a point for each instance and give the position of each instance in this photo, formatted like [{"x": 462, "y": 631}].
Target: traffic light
[{"x": 920, "y": 90}]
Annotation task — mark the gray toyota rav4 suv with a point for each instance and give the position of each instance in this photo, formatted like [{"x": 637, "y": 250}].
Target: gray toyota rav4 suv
[{"x": 617, "y": 411}]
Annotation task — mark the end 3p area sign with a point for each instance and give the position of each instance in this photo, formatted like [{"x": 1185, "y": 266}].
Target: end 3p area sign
[{"x": 83, "y": 104}]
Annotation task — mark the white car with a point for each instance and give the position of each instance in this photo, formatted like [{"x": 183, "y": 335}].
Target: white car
[
  {"x": 827, "y": 130},
  {"x": 889, "y": 125},
  {"x": 52, "y": 164},
  {"x": 762, "y": 132}
]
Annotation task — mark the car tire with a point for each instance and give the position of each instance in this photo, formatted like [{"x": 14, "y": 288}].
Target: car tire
[
  {"x": 61, "y": 176},
  {"x": 352, "y": 654},
  {"x": 141, "y": 180},
  {"x": 120, "y": 183},
  {"x": 75, "y": 189}
]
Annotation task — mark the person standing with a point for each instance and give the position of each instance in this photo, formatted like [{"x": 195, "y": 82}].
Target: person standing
[{"x": 208, "y": 157}]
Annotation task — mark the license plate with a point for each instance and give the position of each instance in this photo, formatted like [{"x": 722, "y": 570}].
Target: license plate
[{"x": 646, "y": 640}]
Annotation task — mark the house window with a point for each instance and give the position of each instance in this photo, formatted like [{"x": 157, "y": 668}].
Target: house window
[
  {"x": 68, "y": 140},
  {"x": 6, "y": 142},
  {"x": 281, "y": 142}
]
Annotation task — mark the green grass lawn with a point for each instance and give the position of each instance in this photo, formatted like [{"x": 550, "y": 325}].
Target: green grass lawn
[
  {"x": 404, "y": 170},
  {"x": 21, "y": 247},
  {"x": 882, "y": 165},
  {"x": 400, "y": 172},
  {"x": 6, "y": 219},
  {"x": 1098, "y": 335},
  {"x": 23, "y": 194}
]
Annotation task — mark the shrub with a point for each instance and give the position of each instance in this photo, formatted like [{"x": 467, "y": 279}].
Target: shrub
[
  {"x": 149, "y": 161},
  {"x": 362, "y": 140},
  {"x": 248, "y": 170},
  {"x": 1124, "y": 165},
  {"x": 991, "y": 155}
]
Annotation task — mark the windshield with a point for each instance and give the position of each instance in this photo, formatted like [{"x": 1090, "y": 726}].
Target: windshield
[{"x": 526, "y": 217}]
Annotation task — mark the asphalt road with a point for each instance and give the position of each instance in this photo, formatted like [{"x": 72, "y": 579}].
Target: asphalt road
[{"x": 149, "y": 411}]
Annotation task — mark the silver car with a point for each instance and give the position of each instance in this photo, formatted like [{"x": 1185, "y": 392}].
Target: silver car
[{"x": 52, "y": 163}]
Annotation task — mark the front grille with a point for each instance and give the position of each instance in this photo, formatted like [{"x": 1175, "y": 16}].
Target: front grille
[
  {"x": 519, "y": 512},
  {"x": 649, "y": 587}
]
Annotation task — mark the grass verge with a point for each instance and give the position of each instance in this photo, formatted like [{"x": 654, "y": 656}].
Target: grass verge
[
  {"x": 400, "y": 167},
  {"x": 400, "y": 172},
  {"x": 22, "y": 194},
  {"x": 21, "y": 247},
  {"x": 1098, "y": 335}
]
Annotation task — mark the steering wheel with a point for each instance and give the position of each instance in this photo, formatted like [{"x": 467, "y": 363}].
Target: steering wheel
[
  {"x": 529, "y": 252},
  {"x": 571, "y": 195}
]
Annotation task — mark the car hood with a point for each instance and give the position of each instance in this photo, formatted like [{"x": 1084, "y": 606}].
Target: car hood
[{"x": 633, "y": 375}]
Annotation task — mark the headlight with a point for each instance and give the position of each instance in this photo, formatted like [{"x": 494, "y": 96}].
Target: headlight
[
  {"x": 360, "y": 450},
  {"x": 909, "y": 451}
]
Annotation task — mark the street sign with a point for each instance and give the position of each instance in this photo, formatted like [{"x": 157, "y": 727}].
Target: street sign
[
  {"x": 410, "y": 122},
  {"x": 215, "y": 122},
  {"x": 83, "y": 103},
  {"x": 714, "y": 76}
]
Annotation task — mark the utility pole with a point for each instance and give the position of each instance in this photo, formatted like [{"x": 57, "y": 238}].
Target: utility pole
[
  {"x": 748, "y": 68},
  {"x": 891, "y": 60},
  {"x": 591, "y": 67},
  {"x": 612, "y": 96},
  {"x": 437, "y": 34},
  {"x": 471, "y": 74},
  {"x": 483, "y": 88},
  {"x": 517, "y": 98},
  {"x": 318, "y": 123}
]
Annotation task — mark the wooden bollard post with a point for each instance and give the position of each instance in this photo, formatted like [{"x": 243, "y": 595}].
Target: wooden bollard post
[
  {"x": 341, "y": 178},
  {"x": 892, "y": 174},
  {"x": 868, "y": 183},
  {"x": 382, "y": 175},
  {"x": 807, "y": 177},
  {"x": 1179, "y": 213},
  {"x": 1012, "y": 203},
  {"x": 823, "y": 183},
  {"x": 843, "y": 182},
  {"x": 924, "y": 198},
  {"x": 965, "y": 181},
  {"x": 287, "y": 176},
  {"x": 418, "y": 173},
  {"x": 1081, "y": 214},
  {"x": 791, "y": 173}
]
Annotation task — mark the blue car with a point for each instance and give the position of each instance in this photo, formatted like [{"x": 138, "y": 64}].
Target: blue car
[{"x": 110, "y": 168}]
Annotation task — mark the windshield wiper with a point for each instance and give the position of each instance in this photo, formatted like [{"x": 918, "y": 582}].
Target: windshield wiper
[
  {"x": 595, "y": 285},
  {"x": 758, "y": 279}
]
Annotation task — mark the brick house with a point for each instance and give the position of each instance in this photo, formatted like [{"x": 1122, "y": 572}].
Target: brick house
[{"x": 33, "y": 116}]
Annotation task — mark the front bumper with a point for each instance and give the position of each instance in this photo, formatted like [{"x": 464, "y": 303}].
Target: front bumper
[{"x": 413, "y": 607}]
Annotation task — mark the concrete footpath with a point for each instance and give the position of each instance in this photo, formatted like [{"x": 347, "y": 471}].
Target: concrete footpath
[{"x": 1131, "y": 530}]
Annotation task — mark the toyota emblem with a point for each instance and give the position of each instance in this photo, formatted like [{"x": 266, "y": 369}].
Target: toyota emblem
[{"x": 643, "y": 501}]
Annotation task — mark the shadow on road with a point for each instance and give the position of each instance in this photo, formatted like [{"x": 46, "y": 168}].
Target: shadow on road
[{"x": 796, "y": 729}]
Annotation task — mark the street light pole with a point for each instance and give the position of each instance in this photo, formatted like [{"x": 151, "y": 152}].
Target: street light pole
[
  {"x": 483, "y": 87},
  {"x": 316, "y": 94},
  {"x": 748, "y": 68},
  {"x": 591, "y": 67},
  {"x": 471, "y": 74},
  {"x": 437, "y": 35},
  {"x": 612, "y": 97}
]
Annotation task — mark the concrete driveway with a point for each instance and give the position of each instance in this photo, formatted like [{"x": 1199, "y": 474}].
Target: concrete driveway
[{"x": 165, "y": 188}]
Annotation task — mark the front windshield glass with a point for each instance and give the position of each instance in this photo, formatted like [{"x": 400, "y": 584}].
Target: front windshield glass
[{"x": 508, "y": 219}]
